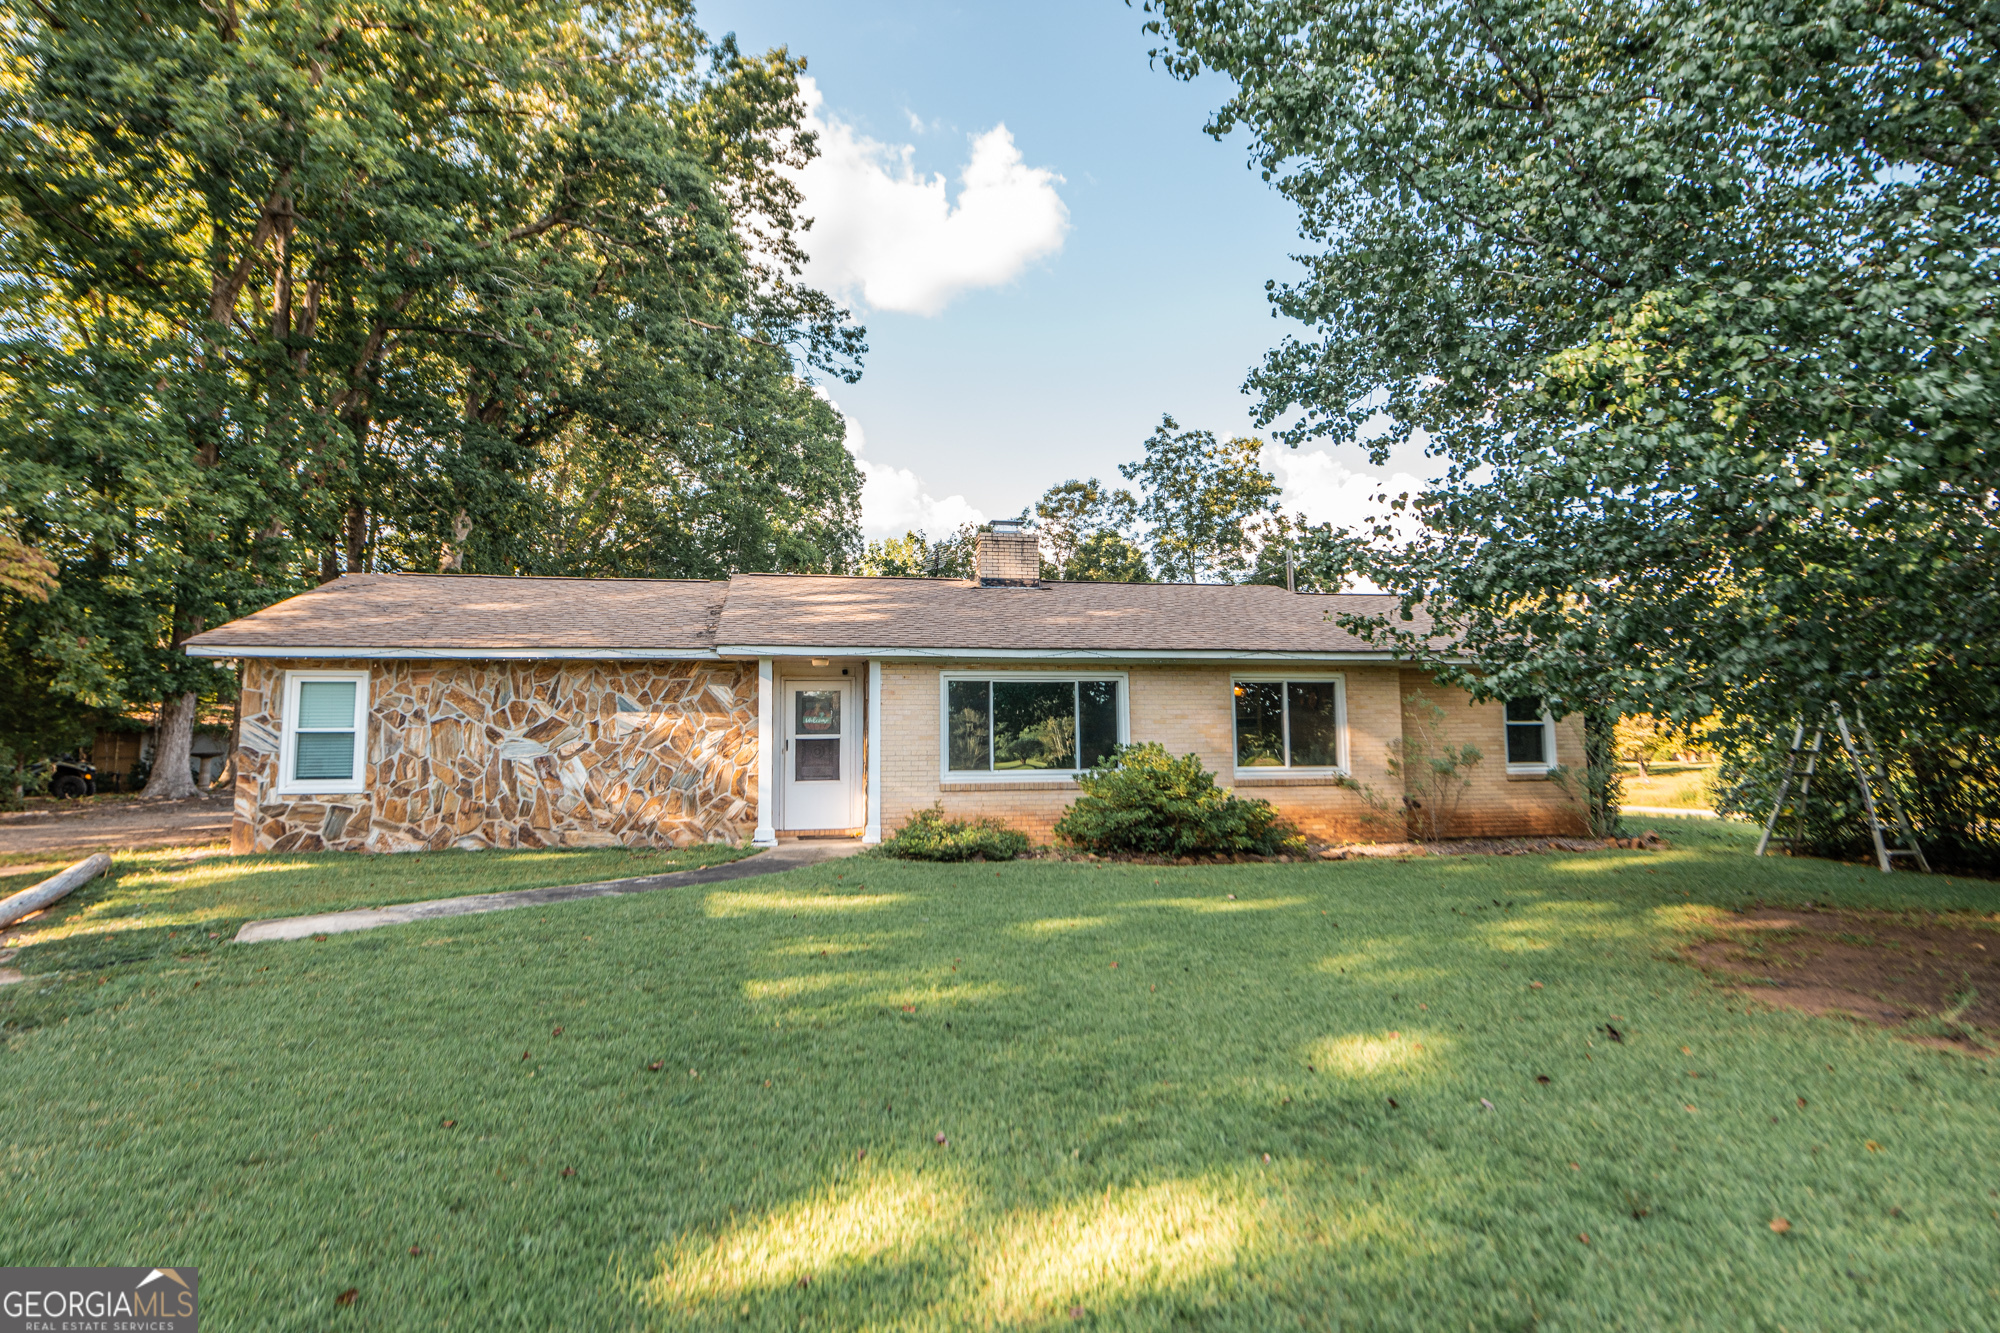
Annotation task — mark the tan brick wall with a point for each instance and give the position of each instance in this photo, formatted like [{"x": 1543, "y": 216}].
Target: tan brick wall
[
  {"x": 1187, "y": 708},
  {"x": 1495, "y": 804}
]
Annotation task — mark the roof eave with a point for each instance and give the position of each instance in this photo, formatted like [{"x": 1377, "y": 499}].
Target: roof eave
[
  {"x": 405, "y": 653},
  {"x": 1064, "y": 654}
]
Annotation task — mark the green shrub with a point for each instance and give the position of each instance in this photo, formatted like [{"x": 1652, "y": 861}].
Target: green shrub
[
  {"x": 929, "y": 836},
  {"x": 1142, "y": 800}
]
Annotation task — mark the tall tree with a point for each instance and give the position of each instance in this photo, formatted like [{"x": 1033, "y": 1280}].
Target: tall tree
[
  {"x": 1310, "y": 557},
  {"x": 303, "y": 287},
  {"x": 1697, "y": 299},
  {"x": 1204, "y": 501},
  {"x": 915, "y": 556},
  {"x": 1085, "y": 529}
]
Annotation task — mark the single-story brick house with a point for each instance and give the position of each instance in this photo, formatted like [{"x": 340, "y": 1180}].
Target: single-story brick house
[{"x": 394, "y": 712}]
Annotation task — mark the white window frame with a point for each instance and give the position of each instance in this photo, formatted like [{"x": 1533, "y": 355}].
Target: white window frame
[
  {"x": 288, "y": 748},
  {"x": 1013, "y": 776},
  {"x": 1548, "y": 743},
  {"x": 1289, "y": 769}
]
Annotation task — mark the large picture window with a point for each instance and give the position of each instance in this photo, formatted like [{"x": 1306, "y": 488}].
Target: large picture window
[
  {"x": 1531, "y": 736},
  {"x": 1298, "y": 723},
  {"x": 325, "y": 736},
  {"x": 1030, "y": 724}
]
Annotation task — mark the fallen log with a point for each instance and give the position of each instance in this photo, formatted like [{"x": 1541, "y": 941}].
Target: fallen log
[{"x": 55, "y": 887}]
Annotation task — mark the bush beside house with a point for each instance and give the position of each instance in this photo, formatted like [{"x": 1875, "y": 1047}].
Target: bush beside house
[
  {"x": 1144, "y": 801},
  {"x": 929, "y": 836}
]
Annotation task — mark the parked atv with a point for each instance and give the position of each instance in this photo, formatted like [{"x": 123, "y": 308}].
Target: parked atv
[{"x": 72, "y": 778}]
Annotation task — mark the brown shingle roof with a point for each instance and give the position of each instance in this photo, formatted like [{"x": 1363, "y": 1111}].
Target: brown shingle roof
[
  {"x": 464, "y": 615},
  {"x": 469, "y": 615},
  {"x": 818, "y": 611}
]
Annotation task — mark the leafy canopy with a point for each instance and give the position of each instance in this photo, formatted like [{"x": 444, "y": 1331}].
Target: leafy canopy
[
  {"x": 1204, "y": 499},
  {"x": 1698, "y": 301},
  {"x": 294, "y": 288}
]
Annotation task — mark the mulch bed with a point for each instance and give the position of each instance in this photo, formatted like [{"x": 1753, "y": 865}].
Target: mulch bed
[
  {"x": 1648, "y": 841},
  {"x": 1936, "y": 974}
]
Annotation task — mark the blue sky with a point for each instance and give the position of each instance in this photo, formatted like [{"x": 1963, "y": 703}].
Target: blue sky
[{"x": 1036, "y": 296}]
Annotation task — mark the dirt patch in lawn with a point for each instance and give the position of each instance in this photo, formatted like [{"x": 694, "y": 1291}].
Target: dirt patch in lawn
[{"x": 1934, "y": 975}]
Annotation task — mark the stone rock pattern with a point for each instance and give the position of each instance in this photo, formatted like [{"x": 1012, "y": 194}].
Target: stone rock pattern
[{"x": 515, "y": 754}]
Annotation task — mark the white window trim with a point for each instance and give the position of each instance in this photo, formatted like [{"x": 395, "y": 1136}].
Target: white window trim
[
  {"x": 1018, "y": 776},
  {"x": 1548, "y": 744},
  {"x": 1288, "y": 769},
  {"x": 288, "y": 747}
]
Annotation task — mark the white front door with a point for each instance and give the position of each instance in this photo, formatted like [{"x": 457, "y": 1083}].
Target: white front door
[{"x": 822, "y": 747}]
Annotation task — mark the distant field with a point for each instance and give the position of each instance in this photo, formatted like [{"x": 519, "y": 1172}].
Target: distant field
[{"x": 1683, "y": 786}]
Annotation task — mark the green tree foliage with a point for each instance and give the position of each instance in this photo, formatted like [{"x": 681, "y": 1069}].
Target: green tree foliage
[
  {"x": 1204, "y": 501},
  {"x": 1104, "y": 557},
  {"x": 915, "y": 556},
  {"x": 303, "y": 287},
  {"x": 1085, "y": 530},
  {"x": 1697, "y": 298},
  {"x": 1323, "y": 558}
]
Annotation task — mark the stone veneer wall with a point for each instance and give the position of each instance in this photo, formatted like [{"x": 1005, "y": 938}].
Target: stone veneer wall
[{"x": 516, "y": 754}]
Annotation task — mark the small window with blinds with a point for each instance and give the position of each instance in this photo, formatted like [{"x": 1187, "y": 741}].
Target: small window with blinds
[{"x": 325, "y": 731}]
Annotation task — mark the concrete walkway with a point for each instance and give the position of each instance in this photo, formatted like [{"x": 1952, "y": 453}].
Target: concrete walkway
[
  {"x": 1667, "y": 810},
  {"x": 785, "y": 856}
]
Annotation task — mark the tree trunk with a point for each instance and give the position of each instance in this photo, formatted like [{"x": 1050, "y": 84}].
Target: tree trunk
[
  {"x": 357, "y": 538},
  {"x": 170, "y": 778},
  {"x": 1640, "y": 760},
  {"x": 1602, "y": 788},
  {"x": 227, "y": 778}
]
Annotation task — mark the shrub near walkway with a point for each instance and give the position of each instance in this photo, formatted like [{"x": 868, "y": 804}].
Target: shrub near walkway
[{"x": 1045, "y": 1095}]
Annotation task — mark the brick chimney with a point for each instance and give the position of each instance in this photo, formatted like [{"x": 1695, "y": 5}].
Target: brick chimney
[{"x": 1007, "y": 556}]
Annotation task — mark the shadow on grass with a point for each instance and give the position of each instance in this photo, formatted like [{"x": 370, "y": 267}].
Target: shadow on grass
[{"x": 1159, "y": 1107}]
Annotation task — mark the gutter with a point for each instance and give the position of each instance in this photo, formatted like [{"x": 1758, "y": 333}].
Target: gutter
[
  {"x": 461, "y": 654},
  {"x": 1057, "y": 654}
]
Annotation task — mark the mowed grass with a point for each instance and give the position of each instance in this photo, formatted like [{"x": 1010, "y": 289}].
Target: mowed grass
[
  {"x": 157, "y": 901},
  {"x": 1686, "y": 786},
  {"x": 1162, "y": 1106}
]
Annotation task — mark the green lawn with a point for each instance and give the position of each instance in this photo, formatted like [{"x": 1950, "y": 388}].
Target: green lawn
[
  {"x": 153, "y": 901},
  {"x": 1682, "y": 785},
  {"x": 1163, "y": 1107}
]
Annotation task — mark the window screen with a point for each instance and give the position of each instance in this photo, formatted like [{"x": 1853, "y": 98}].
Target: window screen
[
  {"x": 1002, "y": 726},
  {"x": 1527, "y": 733},
  {"x": 816, "y": 760}
]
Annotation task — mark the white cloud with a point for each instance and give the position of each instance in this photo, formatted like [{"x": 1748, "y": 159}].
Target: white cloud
[
  {"x": 1326, "y": 490},
  {"x": 886, "y": 235},
  {"x": 894, "y": 501}
]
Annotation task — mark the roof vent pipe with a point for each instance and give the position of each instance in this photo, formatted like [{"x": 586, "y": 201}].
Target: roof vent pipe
[{"x": 1007, "y": 556}]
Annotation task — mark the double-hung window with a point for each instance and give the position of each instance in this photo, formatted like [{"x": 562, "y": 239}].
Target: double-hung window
[
  {"x": 1024, "y": 724},
  {"x": 1291, "y": 723},
  {"x": 1531, "y": 736},
  {"x": 326, "y": 731}
]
